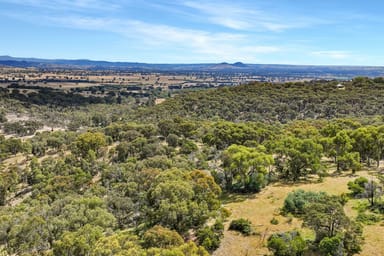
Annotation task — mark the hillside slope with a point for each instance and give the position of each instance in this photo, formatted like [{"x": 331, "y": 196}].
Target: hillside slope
[{"x": 279, "y": 102}]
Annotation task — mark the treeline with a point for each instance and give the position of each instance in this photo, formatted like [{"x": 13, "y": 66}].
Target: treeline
[
  {"x": 51, "y": 97},
  {"x": 279, "y": 102},
  {"x": 103, "y": 94}
]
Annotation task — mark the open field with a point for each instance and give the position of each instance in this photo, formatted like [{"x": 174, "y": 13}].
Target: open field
[
  {"x": 67, "y": 79},
  {"x": 260, "y": 209}
]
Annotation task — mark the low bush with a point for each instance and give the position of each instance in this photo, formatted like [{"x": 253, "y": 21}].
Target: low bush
[
  {"x": 274, "y": 221},
  {"x": 244, "y": 226},
  {"x": 368, "y": 219},
  {"x": 209, "y": 237}
]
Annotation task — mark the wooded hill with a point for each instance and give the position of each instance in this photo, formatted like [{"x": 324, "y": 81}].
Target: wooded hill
[
  {"x": 143, "y": 179},
  {"x": 279, "y": 102}
]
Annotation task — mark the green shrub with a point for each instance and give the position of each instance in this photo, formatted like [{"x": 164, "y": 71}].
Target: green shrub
[
  {"x": 274, "y": 221},
  {"x": 209, "y": 237},
  {"x": 295, "y": 201},
  {"x": 357, "y": 186},
  {"x": 225, "y": 213},
  {"x": 287, "y": 244},
  {"x": 367, "y": 218},
  {"x": 241, "y": 225},
  {"x": 332, "y": 246},
  {"x": 361, "y": 206}
]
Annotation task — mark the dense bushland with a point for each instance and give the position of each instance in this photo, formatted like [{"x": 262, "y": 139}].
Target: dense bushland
[{"x": 128, "y": 179}]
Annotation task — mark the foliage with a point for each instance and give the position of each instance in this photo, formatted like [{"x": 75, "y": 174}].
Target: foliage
[
  {"x": 209, "y": 237},
  {"x": 335, "y": 232},
  {"x": 367, "y": 218},
  {"x": 297, "y": 201},
  {"x": 172, "y": 140},
  {"x": 332, "y": 246},
  {"x": 326, "y": 218},
  {"x": 90, "y": 141},
  {"x": 245, "y": 168},
  {"x": 297, "y": 158},
  {"x": 141, "y": 178},
  {"x": 179, "y": 199},
  {"x": 185, "y": 249},
  {"x": 287, "y": 244},
  {"x": 3, "y": 117},
  {"x": 357, "y": 186},
  {"x": 276, "y": 102},
  {"x": 22, "y": 128},
  {"x": 242, "y": 225},
  {"x": 223, "y": 134},
  {"x": 80, "y": 242},
  {"x": 274, "y": 221},
  {"x": 120, "y": 243},
  {"x": 161, "y": 237},
  {"x": 29, "y": 236}
]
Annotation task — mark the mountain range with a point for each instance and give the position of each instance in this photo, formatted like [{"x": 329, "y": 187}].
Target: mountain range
[{"x": 310, "y": 71}]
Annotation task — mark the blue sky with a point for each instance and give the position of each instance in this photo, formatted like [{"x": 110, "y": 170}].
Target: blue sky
[{"x": 327, "y": 32}]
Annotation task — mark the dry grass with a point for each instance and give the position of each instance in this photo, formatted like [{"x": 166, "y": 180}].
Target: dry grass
[
  {"x": 374, "y": 240},
  {"x": 18, "y": 160},
  {"x": 262, "y": 207},
  {"x": 68, "y": 77}
]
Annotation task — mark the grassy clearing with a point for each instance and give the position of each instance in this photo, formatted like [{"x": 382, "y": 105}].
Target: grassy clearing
[{"x": 262, "y": 207}]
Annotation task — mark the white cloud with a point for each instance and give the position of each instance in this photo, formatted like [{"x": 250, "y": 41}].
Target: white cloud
[
  {"x": 235, "y": 16},
  {"x": 208, "y": 45},
  {"x": 231, "y": 23},
  {"x": 225, "y": 46},
  {"x": 82, "y": 22},
  {"x": 225, "y": 15},
  {"x": 277, "y": 27},
  {"x": 200, "y": 44}
]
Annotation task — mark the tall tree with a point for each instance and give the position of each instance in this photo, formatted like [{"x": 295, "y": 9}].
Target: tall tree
[
  {"x": 90, "y": 141},
  {"x": 245, "y": 167},
  {"x": 297, "y": 158}
]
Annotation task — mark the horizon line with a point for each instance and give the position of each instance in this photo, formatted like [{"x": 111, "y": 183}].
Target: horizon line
[{"x": 180, "y": 63}]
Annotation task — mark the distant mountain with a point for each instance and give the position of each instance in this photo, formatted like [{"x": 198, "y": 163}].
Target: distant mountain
[
  {"x": 270, "y": 70},
  {"x": 239, "y": 65},
  {"x": 226, "y": 66},
  {"x": 91, "y": 64}
]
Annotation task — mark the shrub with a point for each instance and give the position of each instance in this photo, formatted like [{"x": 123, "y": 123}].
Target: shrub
[
  {"x": 287, "y": 244},
  {"x": 225, "y": 213},
  {"x": 172, "y": 140},
  {"x": 332, "y": 246},
  {"x": 241, "y": 225},
  {"x": 209, "y": 237},
  {"x": 295, "y": 201},
  {"x": 357, "y": 186},
  {"x": 368, "y": 219},
  {"x": 3, "y": 117},
  {"x": 274, "y": 221}
]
